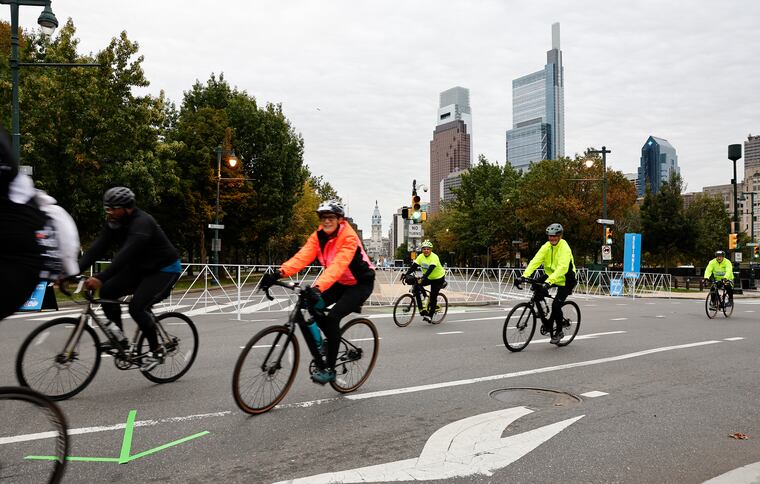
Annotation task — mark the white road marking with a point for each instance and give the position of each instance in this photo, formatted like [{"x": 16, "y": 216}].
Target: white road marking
[
  {"x": 451, "y": 332},
  {"x": 593, "y": 394},
  {"x": 733, "y": 339},
  {"x": 463, "y": 448},
  {"x": 747, "y": 474},
  {"x": 660, "y": 316},
  {"x": 751, "y": 311},
  {"x": 584, "y": 336},
  {"x": 619, "y": 319}
]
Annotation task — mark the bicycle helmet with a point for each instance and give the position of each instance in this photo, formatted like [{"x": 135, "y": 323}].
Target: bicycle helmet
[
  {"x": 554, "y": 229},
  {"x": 118, "y": 197},
  {"x": 331, "y": 206},
  {"x": 428, "y": 244},
  {"x": 720, "y": 253}
]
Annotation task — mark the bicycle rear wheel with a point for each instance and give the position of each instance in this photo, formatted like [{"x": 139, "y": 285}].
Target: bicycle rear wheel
[
  {"x": 403, "y": 310},
  {"x": 42, "y": 365},
  {"x": 519, "y": 327},
  {"x": 571, "y": 322},
  {"x": 711, "y": 307},
  {"x": 177, "y": 333},
  {"x": 39, "y": 428},
  {"x": 357, "y": 354},
  {"x": 265, "y": 370},
  {"x": 442, "y": 308},
  {"x": 727, "y": 311}
]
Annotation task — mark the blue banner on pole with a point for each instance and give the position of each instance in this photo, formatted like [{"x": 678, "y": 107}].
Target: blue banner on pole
[
  {"x": 632, "y": 257},
  {"x": 35, "y": 302}
]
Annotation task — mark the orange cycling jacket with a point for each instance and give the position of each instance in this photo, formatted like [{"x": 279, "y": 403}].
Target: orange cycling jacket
[{"x": 341, "y": 254}]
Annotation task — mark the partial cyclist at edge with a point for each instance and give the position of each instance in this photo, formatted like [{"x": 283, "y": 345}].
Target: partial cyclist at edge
[
  {"x": 347, "y": 280},
  {"x": 433, "y": 275},
  {"x": 559, "y": 270},
  {"x": 722, "y": 271},
  {"x": 147, "y": 265}
]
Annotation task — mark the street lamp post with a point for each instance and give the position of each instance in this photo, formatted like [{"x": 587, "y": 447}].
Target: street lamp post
[
  {"x": 216, "y": 244},
  {"x": 603, "y": 152},
  {"x": 49, "y": 23}
]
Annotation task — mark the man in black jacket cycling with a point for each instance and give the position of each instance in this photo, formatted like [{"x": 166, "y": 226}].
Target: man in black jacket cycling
[{"x": 147, "y": 265}]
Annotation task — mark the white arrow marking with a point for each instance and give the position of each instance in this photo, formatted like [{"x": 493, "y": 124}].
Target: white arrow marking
[{"x": 462, "y": 448}]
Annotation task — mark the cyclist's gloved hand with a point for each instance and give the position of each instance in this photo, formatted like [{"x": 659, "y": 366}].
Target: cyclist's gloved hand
[
  {"x": 546, "y": 286},
  {"x": 268, "y": 279},
  {"x": 423, "y": 281},
  {"x": 518, "y": 283},
  {"x": 314, "y": 295},
  {"x": 410, "y": 279}
]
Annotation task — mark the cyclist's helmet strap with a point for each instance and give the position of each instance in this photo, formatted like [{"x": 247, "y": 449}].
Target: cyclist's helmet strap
[
  {"x": 119, "y": 197},
  {"x": 554, "y": 229},
  {"x": 331, "y": 206}
]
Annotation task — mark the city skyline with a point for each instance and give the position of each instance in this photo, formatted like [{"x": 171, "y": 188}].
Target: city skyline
[{"x": 360, "y": 81}]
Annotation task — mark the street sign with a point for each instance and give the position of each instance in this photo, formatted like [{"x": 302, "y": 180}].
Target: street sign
[
  {"x": 751, "y": 244},
  {"x": 737, "y": 256},
  {"x": 216, "y": 226},
  {"x": 415, "y": 231},
  {"x": 216, "y": 245},
  {"x": 605, "y": 221},
  {"x": 606, "y": 252}
]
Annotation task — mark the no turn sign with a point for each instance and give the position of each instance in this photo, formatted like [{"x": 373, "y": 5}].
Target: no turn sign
[{"x": 606, "y": 252}]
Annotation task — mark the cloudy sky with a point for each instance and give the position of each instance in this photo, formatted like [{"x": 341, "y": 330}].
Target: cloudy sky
[{"x": 360, "y": 79}]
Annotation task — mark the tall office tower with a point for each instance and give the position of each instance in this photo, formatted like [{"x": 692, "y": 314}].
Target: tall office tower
[
  {"x": 538, "y": 112},
  {"x": 451, "y": 147},
  {"x": 658, "y": 160},
  {"x": 751, "y": 156}
]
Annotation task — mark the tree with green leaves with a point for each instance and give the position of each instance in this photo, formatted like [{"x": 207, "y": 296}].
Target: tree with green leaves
[
  {"x": 667, "y": 235},
  {"x": 710, "y": 224}
]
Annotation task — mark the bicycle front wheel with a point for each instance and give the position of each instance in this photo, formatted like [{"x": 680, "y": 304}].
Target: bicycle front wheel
[
  {"x": 403, "y": 310},
  {"x": 177, "y": 334},
  {"x": 441, "y": 309},
  {"x": 519, "y": 327},
  {"x": 265, "y": 370},
  {"x": 48, "y": 363},
  {"x": 42, "y": 457},
  {"x": 357, "y": 354},
  {"x": 727, "y": 311},
  {"x": 711, "y": 306},
  {"x": 571, "y": 322}
]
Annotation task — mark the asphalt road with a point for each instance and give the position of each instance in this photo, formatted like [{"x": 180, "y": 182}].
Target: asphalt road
[{"x": 651, "y": 391}]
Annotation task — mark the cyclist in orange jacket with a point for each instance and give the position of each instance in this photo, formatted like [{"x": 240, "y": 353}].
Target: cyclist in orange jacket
[{"x": 347, "y": 280}]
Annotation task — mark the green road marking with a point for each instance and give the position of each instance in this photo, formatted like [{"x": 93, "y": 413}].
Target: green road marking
[{"x": 126, "y": 446}]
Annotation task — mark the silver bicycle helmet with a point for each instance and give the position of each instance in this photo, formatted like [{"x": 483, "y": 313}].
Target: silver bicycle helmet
[
  {"x": 554, "y": 229},
  {"x": 720, "y": 253},
  {"x": 331, "y": 206}
]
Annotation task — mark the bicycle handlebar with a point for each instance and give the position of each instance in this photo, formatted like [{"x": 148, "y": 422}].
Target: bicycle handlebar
[{"x": 287, "y": 285}]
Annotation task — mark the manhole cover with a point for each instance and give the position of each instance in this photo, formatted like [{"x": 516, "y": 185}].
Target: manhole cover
[{"x": 536, "y": 397}]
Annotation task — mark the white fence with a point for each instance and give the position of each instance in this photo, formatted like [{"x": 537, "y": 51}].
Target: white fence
[{"x": 208, "y": 288}]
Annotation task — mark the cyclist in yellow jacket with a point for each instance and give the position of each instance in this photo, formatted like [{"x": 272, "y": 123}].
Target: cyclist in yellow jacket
[
  {"x": 559, "y": 270},
  {"x": 433, "y": 275},
  {"x": 722, "y": 271}
]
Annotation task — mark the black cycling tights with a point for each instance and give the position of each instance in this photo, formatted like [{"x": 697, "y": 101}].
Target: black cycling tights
[
  {"x": 147, "y": 290},
  {"x": 347, "y": 299},
  {"x": 20, "y": 255}
]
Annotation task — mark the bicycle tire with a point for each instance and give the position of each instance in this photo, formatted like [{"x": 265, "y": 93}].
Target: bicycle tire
[
  {"x": 181, "y": 348},
  {"x": 570, "y": 323},
  {"x": 727, "y": 311},
  {"x": 42, "y": 349},
  {"x": 710, "y": 308},
  {"x": 55, "y": 422},
  {"x": 443, "y": 303},
  {"x": 404, "y": 310},
  {"x": 520, "y": 325},
  {"x": 353, "y": 365},
  {"x": 247, "y": 388}
]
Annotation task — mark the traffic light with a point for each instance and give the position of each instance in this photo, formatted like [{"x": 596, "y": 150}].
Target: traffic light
[
  {"x": 608, "y": 236},
  {"x": 423, "y": 218},
  {"x": 414, "y": 209},
  {"x": 405, "y": 213},
  {"x": 755, "y": 252},
  {"x": 731, "y": 241}
]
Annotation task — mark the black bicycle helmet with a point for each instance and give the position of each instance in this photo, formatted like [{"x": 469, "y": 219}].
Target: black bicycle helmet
[
  {"x": 118, "y": 197},
  {"x": 554, "y": 229},
  {"x": 331, "y": 206}
]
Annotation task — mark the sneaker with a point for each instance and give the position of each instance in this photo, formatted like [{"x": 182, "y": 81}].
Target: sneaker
[
  {"x": 423, "y": 313},
  {"x": 427, "y": 319},
  {"x": 557, "y": 338},
  {"x": 152, "y": 360},
  {"x": 323, "y": 376}
]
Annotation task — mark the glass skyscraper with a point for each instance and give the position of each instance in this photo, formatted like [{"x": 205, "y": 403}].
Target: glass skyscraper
[
  {"x": 538, "y": 112},
  {"x": 658, "y": 160}
]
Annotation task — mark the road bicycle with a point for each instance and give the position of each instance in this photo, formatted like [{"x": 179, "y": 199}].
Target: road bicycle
[
  {"x": 521, "y": 320},
  {"x": 717, "y": 300},
  {"x": 61, "y": 357},
  {"x": 267, "y": 366},
  {"x": 24, "y": 412},
  {"x": 407, "y": 305}
]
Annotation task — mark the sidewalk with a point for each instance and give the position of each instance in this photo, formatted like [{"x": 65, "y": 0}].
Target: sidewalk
[{"x": 747, "y": 294}]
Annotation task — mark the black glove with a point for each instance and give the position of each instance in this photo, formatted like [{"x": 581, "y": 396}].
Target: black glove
[
  {"x": 423, "y": 281},
  {"x": 314, "y": 295},
  {"x": 518, "y": 283},
  {"x": 268, "y": 279},
  {"x": 410, "y": 279},
  {"x": 546, "y": 286}
]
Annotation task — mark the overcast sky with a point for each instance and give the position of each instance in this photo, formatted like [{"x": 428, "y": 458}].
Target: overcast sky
[{"x": 360, "y": 80}]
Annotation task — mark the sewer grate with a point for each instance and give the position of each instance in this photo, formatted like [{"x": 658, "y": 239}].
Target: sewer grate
[{"x": 536, "y": 397}]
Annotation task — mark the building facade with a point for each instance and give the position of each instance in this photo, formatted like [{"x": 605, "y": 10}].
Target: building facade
[
  {"x": 452, "y": 180},
  {"x": 658, "y": 161},
  {"x": 449, "y": 152},
  {"x": 538, "y": 112},
  {"x": 376, "y": 247}
]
